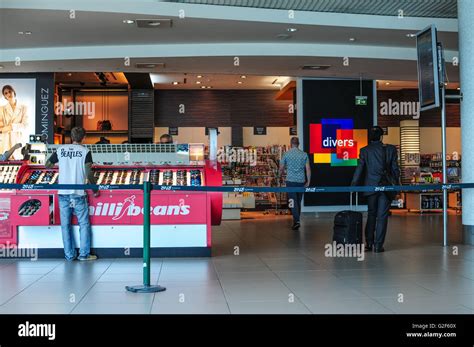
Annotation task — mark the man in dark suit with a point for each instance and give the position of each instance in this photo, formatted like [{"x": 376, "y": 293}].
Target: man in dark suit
[{"x": 371, "y": 171}]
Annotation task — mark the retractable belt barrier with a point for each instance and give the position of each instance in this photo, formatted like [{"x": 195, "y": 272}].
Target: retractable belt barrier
[
  {"x": 239, "y": 189},
  {"x": 147, "y": 188}
]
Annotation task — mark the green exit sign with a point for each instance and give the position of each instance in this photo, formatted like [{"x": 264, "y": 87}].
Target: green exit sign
[{"x": 361, "y": 100}]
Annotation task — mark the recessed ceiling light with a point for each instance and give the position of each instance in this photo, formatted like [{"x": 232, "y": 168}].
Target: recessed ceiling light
[
  {"x": 69, "y": 74},
  {"x": 458, "y": 88},
  {"x": 352, "y": 39},
  {"x": 203, "y": 87},
  {"x": 410, "y": 35},
  {"x": 315, "y": 67},
  {"x": 27, "y": 32},
  {"x": 209, "y": 87},
  {"x": 239, "y": 82},
  {"x": 175, "y": 82},
  {"x": 20, "y": 33},
  {"x": 198, "y": 82},
  {"x": 387, "y": 83},
  {"x": 292, "y": 30},
  {"x": 128, "y": 21},
  {"x": 243, "y": 76},
  {"x": 199, "y": 76}
]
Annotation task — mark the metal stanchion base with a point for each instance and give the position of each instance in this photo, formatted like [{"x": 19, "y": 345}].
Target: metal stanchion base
[{"x": 145, "y": 289}]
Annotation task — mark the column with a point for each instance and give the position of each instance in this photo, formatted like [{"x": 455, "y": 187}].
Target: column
[{"x": 466, "y": 64}]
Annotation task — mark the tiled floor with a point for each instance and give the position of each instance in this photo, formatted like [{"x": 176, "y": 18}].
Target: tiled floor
[{"x": 260, "y": 266}]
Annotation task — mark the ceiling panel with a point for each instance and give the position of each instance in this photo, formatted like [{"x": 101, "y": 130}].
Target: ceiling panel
[{"x": 411, "y": 8}]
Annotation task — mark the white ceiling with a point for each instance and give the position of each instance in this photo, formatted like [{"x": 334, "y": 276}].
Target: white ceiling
[
  {"x": 209, "y": 37},
  {"x": 56, "y": 29},
  {"x": 412, "y": 8},
  {"x": 217, "y": 81}
]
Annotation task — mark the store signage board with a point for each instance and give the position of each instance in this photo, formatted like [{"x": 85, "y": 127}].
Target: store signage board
[
  {"x": 428, "y": 78},
  {"x": 260, "y": 130},
  {"x": 173, "y": 131},
  {"x": 293, "y": 131},
  {"x": 361, "y": 100}
]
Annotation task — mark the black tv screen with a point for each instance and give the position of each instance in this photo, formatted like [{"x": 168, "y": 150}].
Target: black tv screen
[{"x": 428, "y": 77}]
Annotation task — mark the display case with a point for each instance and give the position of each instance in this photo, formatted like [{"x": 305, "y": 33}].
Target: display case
[{"x": 181, "y": 221}]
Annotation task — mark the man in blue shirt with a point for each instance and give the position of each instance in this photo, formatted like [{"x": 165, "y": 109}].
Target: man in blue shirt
[
  {"x": 5, "y": 156},
  {"x": 298, "y": 174}
]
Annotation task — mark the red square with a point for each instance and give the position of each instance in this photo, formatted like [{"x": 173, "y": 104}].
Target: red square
[{"x": 316, "y": 140}]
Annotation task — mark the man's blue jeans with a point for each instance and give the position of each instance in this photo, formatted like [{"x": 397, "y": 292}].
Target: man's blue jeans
[
  {"x": 295, "y": 201},
  {"x": 77, "y": 204}
]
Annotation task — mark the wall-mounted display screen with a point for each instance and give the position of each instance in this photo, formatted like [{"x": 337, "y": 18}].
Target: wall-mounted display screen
[{"x": 428, "y": 78}]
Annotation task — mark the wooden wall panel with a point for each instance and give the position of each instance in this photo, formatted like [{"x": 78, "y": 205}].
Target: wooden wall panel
[{"x": 220, "y": 108}]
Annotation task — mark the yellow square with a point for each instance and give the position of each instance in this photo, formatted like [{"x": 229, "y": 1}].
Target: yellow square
[{"x": 322, "y": 158}]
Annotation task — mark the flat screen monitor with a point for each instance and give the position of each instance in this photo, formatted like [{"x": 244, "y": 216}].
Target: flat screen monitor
[{"x": 428, "y": 75}]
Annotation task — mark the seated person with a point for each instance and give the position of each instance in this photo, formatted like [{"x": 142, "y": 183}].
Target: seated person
[
  {"x": 166, "y": 138},
  {"x": 8, "y": 154}
]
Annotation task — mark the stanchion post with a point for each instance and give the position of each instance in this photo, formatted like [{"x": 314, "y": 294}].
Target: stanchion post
[
  {"x": 146, "y": 232},
  {"x": 146, "y": 287}
]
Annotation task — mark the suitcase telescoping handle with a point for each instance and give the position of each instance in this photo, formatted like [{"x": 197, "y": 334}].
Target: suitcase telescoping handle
[{"x": 356, "y": 199}]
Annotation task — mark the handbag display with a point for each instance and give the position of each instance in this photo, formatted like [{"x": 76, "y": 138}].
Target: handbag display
[{"x": 104, "y": 125}]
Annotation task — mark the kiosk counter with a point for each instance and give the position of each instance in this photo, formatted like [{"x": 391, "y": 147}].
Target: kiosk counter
[{"x": 180, "y": 220}]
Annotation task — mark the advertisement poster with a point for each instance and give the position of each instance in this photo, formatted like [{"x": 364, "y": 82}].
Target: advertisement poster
[{"x": 17, "y": 112}]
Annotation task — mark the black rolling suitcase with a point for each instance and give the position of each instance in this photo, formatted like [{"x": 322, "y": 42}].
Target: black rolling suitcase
[{"x": 348, "y": 226}]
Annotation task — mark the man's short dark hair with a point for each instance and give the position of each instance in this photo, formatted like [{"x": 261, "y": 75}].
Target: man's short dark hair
[
  {"x": 166, "y": 138},
  {"x": 78, "y": 134},
  {"x": 295, "y": 141},
  {"x": 375, "y": 133}
]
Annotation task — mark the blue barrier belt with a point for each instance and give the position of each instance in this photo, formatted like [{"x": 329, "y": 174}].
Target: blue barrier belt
[{"x": 343, "y": 189}]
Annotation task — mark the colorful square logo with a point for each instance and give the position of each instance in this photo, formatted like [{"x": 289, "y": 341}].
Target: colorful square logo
[{"x": 336, "y": 142}]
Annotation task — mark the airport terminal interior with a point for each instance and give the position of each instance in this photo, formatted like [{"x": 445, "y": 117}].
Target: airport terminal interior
[{"x": 231, "y": 84}]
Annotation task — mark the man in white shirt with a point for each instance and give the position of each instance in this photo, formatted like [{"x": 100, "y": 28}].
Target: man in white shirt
[{"x": 75, "y": 162}]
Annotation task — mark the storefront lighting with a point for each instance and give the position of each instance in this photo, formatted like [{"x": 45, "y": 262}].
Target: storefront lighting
[
  {"x": 199, "y": 76},
  {"x": 175, "y": 82},
  {"x": 352, "y": 39},
  {"x": 291, "y": 30},
  {"x": 239, "y": 82},
  {"x": 198, "y": 82},
  {"x": 128, "y": 21},
  {"x": 243, "y": 76},
  {"x": 203, "y": 87},
  {"x": 387, "y": 83}
]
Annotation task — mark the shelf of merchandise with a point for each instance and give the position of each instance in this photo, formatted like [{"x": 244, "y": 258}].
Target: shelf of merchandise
[{"x": 264, "y": 173}]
